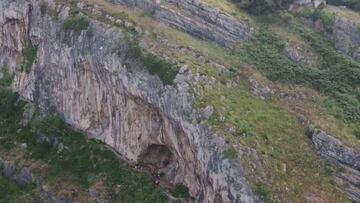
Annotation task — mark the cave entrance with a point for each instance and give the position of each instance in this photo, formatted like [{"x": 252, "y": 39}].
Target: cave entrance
[{"x": 157, "y": 156}]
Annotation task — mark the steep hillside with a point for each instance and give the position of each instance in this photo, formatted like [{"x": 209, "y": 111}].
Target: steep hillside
[{"x": 187, "y": 100}]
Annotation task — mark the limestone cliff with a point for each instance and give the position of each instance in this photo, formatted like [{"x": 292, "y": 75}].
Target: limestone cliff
[
  {"x": 86, "y": 78},
  {"x": 197, "y": 19}
]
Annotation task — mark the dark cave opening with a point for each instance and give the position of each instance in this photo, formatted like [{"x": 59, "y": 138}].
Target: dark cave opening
[{"x": 157, "y": 156}]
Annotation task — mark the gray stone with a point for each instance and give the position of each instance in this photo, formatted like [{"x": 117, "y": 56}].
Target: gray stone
[
  {"x": 331, "y": 147},
  {"x": 28, "y": 113},
  {"x": 207, "y": 112},
  {"x": 307, "y": 3},
  {"x": 9, "y": 170},
  {"x": 300, "y": 55},
  {"x": 343, "y": 157},
  {"x": 346, "y": 36},
  {"x": 260, "y": 90},
  {"x": 23, "y": 146},
  {"x": 24, "y": 178},
  {"x": 196, "y": 18}
]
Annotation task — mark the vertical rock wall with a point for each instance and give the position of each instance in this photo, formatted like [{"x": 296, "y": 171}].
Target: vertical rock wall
[{"x": 81, "y": 76}]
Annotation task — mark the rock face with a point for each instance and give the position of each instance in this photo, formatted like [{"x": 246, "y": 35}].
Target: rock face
[
  {"x": 308, "y": 3},
  {"x": 196, "y": 18},
  {"x": 21, "y": 177},
  {"x": 82, "y": 77},
  {"x": 346, "y": 37},
  {"x": 348, "y": 177},
  {"x": 300, "y": 55}
]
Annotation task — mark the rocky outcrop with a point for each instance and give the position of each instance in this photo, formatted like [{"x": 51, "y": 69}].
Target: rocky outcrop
[
  {"x": 307, "y": 3},
  {"x": 83, "y": 77},
  {"x": 342, "y": 30},
  {"x": 300, "y": 54},
  {"x": 197, "y": 19},
  {"x": 22, "y": 177},
  {"x": 348, "y": 175},
  {"x": 346, "y": 37}
]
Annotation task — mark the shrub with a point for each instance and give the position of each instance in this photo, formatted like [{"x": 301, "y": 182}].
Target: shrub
[
  {"x": 5, "y": 78},
  {"x": 327, "y": 20},
  {"x": 263, "y": 191},
  {"x": 154, "y": 64},
  {"x": 29, "y": 54},
  {"x": 76, "y": 23},
  {"x": 357, "y": 133},
  {"x": 181, "y": 191},
  {"x": 243, "y": 128},
  {"x": 261, "y": 7},
  {"x": 337, "y": 75}
]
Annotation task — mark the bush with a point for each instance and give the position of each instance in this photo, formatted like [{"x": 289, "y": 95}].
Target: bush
[
  {"x": 261, "y": 7},
  {"x": 76, "y": 23},
  {"x": 29, "y": 54},
  {"x": 327, "y": 20},
  {"x": 263, "y": 191},
  {"x": 154, "y": 64},
  {"x": 243, "y": 128},
  {"x": 337, "y": 75},
  {"x": 181, "y": 191},
  {"x": 357, "y": 133},
  {"x": 5, "y": 78}
]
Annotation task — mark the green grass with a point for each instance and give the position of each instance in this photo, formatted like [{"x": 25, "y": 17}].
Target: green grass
[
  {"x": 80, "y": 159},
  {"x": 263, "y": 191},
  {"x": 77, "y": 23},
  {"x": 337, "y": 75},
  {"x": 276, "y": 135},
  {"x": 29, "y": 55},
  {"x": 181, "y": 191}
]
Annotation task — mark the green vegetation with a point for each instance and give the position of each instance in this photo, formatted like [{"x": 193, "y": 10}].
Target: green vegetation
[
  {"x": 261, "y": 7},
  {"x": 263, "y": 191},
  {"x": 357, "y": 133},
  {"x": 76, "y": 161},
  {"x": 276, "y": 135},
  {"x": 5, "y": 78},
  {"x": 327, "y": 19},
  {"x": 10, "y": 192},
  {"x": 154, "y": 64},
  {"x": 77, "y": 23},
  {"x": 337, "y": 76},
  {"x": 29, "y": 54},
  {"x": 243, "y": 128},
  {"x": 181, "y": 191}
]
